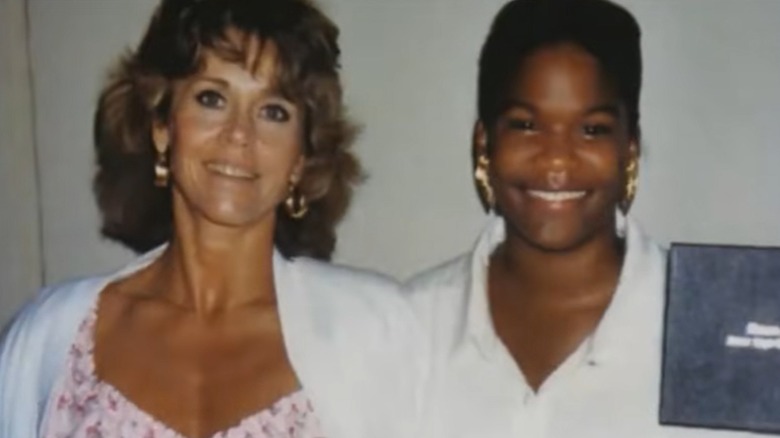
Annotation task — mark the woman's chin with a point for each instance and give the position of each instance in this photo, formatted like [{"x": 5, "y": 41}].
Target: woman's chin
[
  {"x": 229, "y": 215},
  {"x": 554, "y": 237}
]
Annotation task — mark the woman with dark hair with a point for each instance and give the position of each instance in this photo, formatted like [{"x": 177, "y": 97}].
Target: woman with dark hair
[
  {"x": 223, "y": 155},
  {"x": 551, "y": 326}
]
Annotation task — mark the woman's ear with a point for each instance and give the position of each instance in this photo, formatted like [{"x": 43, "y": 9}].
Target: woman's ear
[
  {"x": 634, "y": 151},
  {"x": 161, "y": 136},
  {"x": 481, "y": 165},
  {"x": 479, "y": 140},
  {"x": 297, "y": 172}
]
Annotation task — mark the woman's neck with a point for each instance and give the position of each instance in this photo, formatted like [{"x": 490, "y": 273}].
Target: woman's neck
[
  {"x": 210, "y": 268},
  {"x": 560, "y": 277}
]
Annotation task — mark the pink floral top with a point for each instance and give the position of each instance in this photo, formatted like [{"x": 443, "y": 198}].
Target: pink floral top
[{"x": 82, "y": 406}]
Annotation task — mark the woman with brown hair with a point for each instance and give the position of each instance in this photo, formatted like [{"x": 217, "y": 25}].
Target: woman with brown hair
[{"x": 222, "y": 151}]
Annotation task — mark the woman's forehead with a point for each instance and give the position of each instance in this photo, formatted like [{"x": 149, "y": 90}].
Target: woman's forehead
[
  {"x": 259, "y": 56},
  {"x": 561, "y": 72}
]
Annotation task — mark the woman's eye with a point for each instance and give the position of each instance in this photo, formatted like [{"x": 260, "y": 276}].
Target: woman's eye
[
  {"x": 275, "y": 113},
  {"x": 596, "y": 130},
  {"x": 210, "y": 99},
  {"x": 521, "y": 124}
]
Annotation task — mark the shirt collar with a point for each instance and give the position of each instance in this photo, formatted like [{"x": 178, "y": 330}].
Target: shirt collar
[
  {"x": 479, "y": 325},
  {"x": 641, "y": 275},
  {"x": 639, "y": 291}
]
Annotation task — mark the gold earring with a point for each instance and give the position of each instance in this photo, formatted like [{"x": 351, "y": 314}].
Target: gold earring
[
  {"x": 483, "y": 181},
  {"x": 632, "y": 174},
  {"x": 296, "y": 204},
  {"x": 162, "y": 173}
]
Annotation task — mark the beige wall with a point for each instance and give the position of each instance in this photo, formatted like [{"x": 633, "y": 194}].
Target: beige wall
[
  {"x": 72, "y": 42},
  {"x": 20, "y": 261}
]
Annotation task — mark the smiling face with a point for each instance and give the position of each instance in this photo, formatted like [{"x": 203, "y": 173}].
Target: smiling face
[
  {"x": 558, "y": 150},
  {"x": 235, "y": 141}
]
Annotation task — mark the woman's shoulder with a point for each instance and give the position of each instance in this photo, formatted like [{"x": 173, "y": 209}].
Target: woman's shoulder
[
  {"x": 453, "y": 273},
  {"x": 333, "y": 274},
  {"x": 54, "y": 306},
  {"x": 351, "y": 307},
  {"x": 643, "y": 251},
  {"x": 33, "y": 348},
  {"x": 56, "y": 299},
  {"x": 456, "y": 272},
  {"x": 73, "y": 298},
  {"x": 347, "y": 289},
  {"x": 346, "y": 282}
]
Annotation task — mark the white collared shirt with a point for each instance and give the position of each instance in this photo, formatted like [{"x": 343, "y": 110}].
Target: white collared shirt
[{"x": 609, "y": 387}]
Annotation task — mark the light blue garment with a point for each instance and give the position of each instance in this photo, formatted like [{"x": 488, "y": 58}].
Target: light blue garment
[
  {"x": 350, "y": 337},
  {"x": 33, "y": 352}
]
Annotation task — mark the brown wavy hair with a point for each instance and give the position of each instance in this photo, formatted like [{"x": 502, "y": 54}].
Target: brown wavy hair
[{"x": 138, "y": 214}]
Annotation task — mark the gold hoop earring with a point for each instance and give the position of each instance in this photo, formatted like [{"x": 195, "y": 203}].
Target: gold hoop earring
[
  {"x": 632, "y": 176},
  {"x": 483, "y": 181},
  {"x": 162, "y": 172},
  {"x": 296, "y": 204}
]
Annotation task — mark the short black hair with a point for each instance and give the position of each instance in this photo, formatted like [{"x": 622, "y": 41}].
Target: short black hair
[{"x": 605, "y": 30}]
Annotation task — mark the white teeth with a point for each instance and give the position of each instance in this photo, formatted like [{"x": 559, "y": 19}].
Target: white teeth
[
  {"x": 228, "y": 170},
  {"x": 556, "y": 196}
]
